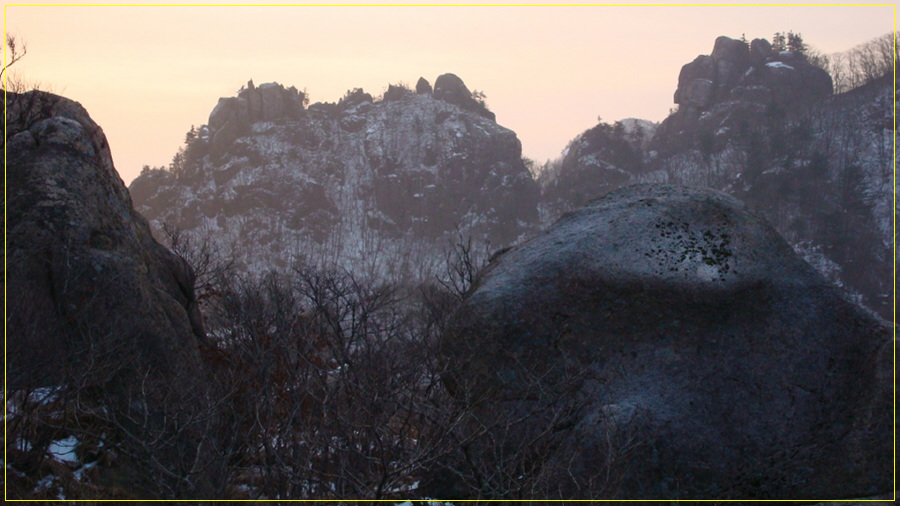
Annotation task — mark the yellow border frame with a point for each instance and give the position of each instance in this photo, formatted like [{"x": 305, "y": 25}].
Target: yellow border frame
[{"x": 893, "y": 219}]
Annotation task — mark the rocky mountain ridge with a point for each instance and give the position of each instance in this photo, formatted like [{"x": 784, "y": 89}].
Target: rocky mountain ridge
[
  {"x": 755, "y": 122},
  {"x": 346, "y": 182}
]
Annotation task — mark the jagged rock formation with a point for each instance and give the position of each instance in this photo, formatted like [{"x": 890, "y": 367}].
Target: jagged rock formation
[
  {"x": 233, "y": 116},
  {"x": 97, "y": 308},
  {"x": 665, "y": 343},
  {"x": 719, "y": 94},
  {"x": 764, "y": 127},
  {"x": 341, "y": 179},
  {"x": 735, "y": 71}
]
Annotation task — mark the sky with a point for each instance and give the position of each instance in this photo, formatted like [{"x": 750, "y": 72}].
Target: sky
[{"x": 147, "y": 74}]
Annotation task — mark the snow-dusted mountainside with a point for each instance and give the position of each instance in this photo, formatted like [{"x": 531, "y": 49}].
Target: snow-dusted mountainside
[
  {"x": 359, "y": 183},
  {"x": 599, "y": 160},
  {"x": 763, "y": 126}
]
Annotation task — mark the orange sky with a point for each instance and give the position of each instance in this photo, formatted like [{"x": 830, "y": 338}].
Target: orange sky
[{"x": 146, "y": 74}]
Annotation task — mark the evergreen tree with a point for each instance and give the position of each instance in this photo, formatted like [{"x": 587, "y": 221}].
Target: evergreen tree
[
  {"x": 190, "y": 135},
  {"x": 779, "y": 43},
  {"x": 795, "y": 43}
]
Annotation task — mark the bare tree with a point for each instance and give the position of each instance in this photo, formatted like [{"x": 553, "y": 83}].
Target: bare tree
[
  {"x": 16, "y": 52},
  {"x": 462, "y": 263},
  {"x": 210, "y": 261},
  {"x": 333, "y": 387},
  {"x": 862, "y": 64}
]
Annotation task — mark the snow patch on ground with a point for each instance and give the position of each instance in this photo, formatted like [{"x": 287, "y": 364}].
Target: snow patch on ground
[
  {"x": 64, "y": 449},
  {"x": 262, "y": 127}
]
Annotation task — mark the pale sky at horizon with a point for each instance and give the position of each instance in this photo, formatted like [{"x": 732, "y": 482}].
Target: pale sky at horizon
[{"x": 146, "y": 74}]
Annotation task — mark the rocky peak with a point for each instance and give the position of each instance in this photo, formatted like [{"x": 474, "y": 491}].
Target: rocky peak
[
  {"x": 760, "y": 51},
  {"x": 721, "y": 94},
  {"x": 233, "y": 116},
  {"x": 451, "y": 89},
  {"x": 423, "y": 86},
  {"x": 736, "y": 71}
]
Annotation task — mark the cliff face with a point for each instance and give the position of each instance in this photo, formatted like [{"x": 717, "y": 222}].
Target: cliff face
[
  {"x": 340, "y": 181},
  {"x": 80, "y": 257},
  {"x": 101, "y": 316},
  {"x": 764, "y": 126}
]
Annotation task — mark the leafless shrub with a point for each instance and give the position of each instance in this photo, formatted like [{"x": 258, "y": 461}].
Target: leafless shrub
[
  {"x": 153, "y": 438},
  {"x": 462, "y": 264},
  {"x": 526, "y": 438},
  {"x": 330, "y": 386},
  {"x": 17, "y": 51},
  {"x": 210, "y": 263},
  {"x": 860, "y": 65}
]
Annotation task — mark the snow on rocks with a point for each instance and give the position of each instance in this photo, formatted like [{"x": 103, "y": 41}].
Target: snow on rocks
[{"x": 779, "y": 65}]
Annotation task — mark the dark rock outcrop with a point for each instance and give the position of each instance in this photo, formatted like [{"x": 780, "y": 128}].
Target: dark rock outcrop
[
  {"x": 760, "y": 51},
  {"x": 79, "y": 247},
  {"x": 754, "y": 73},
  {"x": 395, "y": 92},
  {"x": 423, "y": 86},
  {"x": 452, "y": 89},
  {"x": 232, "y": 116},
  {"x": 737, "y": 86},
  {"x": 94, "y": 301},
  {"x": 666, "y": 343}
]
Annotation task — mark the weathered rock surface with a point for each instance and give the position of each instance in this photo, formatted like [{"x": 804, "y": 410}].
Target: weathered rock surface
[
  {"x": 668, "y": 344},
  {"x": 93, "y": 300}
]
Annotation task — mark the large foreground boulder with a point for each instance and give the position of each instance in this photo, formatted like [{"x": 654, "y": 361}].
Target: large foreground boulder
[
  {"x": 666, "y": 343},
  {"x": 97, "y": 309}
]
